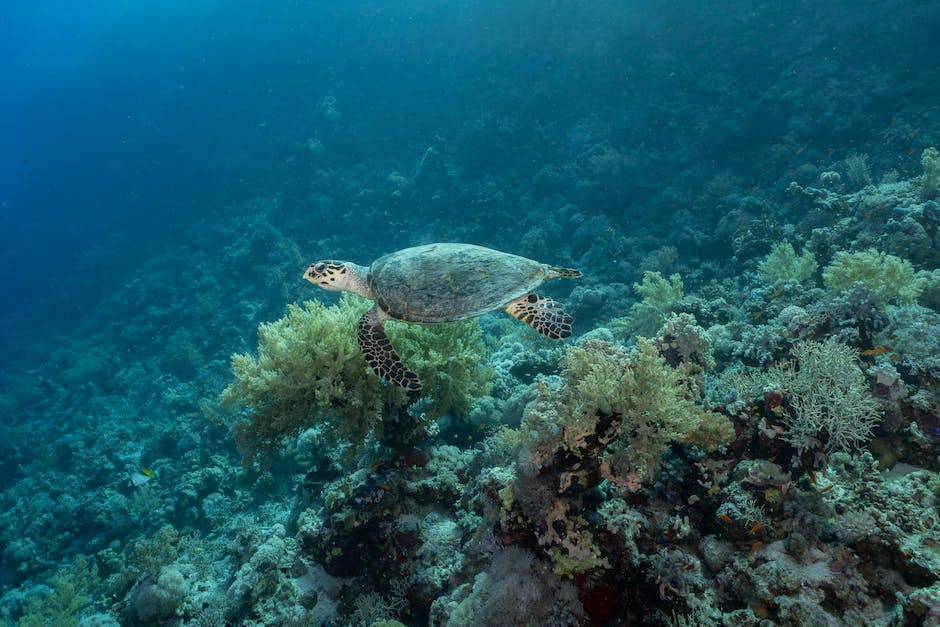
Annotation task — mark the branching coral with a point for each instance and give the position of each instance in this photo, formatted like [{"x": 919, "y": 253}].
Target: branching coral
[
  {"x": 71, "y": 586},
  {"x": 833, "y": 408},
  {"x": 612, "y": 415},
  {"x": 642, "y": 398},
  {"x": 309, "y": 369},
  {"x": 451, "y": 360},
  {"x": 783, "y": 264},
  {"x": 891, "y": 277},
  {"x": 659, "y": 296}
]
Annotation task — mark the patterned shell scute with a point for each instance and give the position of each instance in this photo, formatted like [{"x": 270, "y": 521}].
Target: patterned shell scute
[{"x": 447, "y": 282}]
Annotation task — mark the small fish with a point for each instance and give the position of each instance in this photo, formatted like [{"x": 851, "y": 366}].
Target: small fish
[
  {"x": 140, "y": 477},
  {"x": 877, "y": 350},
  {"x": 725, "y": 518},
  {"x": 761, "y": 610},
  {"x": 754, "y": 548},
  {"x": 757, "y": 527}
]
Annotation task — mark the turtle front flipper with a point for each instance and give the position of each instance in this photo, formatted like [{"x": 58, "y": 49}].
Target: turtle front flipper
[
  {"x": 542, "y": 314},
  {"x": 381, "y": 355}
]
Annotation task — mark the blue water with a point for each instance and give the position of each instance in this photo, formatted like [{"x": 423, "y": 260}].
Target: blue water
[{"x": 169, "y": 169}]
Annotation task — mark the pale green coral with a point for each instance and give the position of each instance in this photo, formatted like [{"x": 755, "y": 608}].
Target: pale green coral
[
  {"x": 783, "y": 264},
  {"x": 659, "y": 296},
  {"x": 71, "y": 587},
  {"x": 150, "y": 554},
  {"x": 713, "y": 431},
  {"x": 930, "y": 181},
  {"x": 451, "y": 360},
  {"x": 309, "y": 369},
  {"x": 647, "y": 395},
  {"x": 891, "y": 277}
]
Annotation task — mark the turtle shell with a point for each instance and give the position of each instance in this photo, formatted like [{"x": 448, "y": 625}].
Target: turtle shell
[{"x": 447, "y": 282}]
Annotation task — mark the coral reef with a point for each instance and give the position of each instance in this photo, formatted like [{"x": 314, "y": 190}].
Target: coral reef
[
  {"x": 309, "y": 369},
  {"x": 824, "y": 396},
  {"x": 889, "y": 276},
  {"x": 659, "y": 296},
  {"x": 783, "y": 264},
  {"x": 930, "y": 181},
  {"x": 748, "y": 436}
]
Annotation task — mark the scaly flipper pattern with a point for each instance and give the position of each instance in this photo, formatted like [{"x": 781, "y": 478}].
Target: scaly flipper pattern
[
  {"x": 381, "y": 355},
  {"x": 542, "y": 314}
]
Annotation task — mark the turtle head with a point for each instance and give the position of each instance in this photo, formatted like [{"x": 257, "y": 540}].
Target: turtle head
[{"x": 336, "y": 276}]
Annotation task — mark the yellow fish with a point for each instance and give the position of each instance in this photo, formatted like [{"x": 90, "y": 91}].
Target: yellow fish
[{"x": 142, "y": 476}]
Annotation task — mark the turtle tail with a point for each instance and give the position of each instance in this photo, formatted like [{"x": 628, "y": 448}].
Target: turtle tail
[{"x": 563, "y": 273}]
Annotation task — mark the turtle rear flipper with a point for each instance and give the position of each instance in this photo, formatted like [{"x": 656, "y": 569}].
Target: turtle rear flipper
[
  {"x": 542, "y": 314},
  {"x": 381, "y": 355}
]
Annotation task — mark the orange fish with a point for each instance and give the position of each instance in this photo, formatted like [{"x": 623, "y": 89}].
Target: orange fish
[
  {"x": 761, "y": 610},
  {"x": 754, "y": 548},
  {"x": 757, "y": 527},
  {"x": 877, "y": 350}
]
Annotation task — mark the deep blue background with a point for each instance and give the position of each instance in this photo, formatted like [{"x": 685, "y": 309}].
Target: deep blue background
[{"x": 121, "y": 123}]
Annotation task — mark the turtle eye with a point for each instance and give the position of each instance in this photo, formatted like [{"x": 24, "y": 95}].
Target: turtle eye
[{"x": 319, "y": 267}]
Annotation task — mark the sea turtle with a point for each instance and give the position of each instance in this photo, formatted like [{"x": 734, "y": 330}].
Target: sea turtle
[{"x": 441, "y": 283}]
